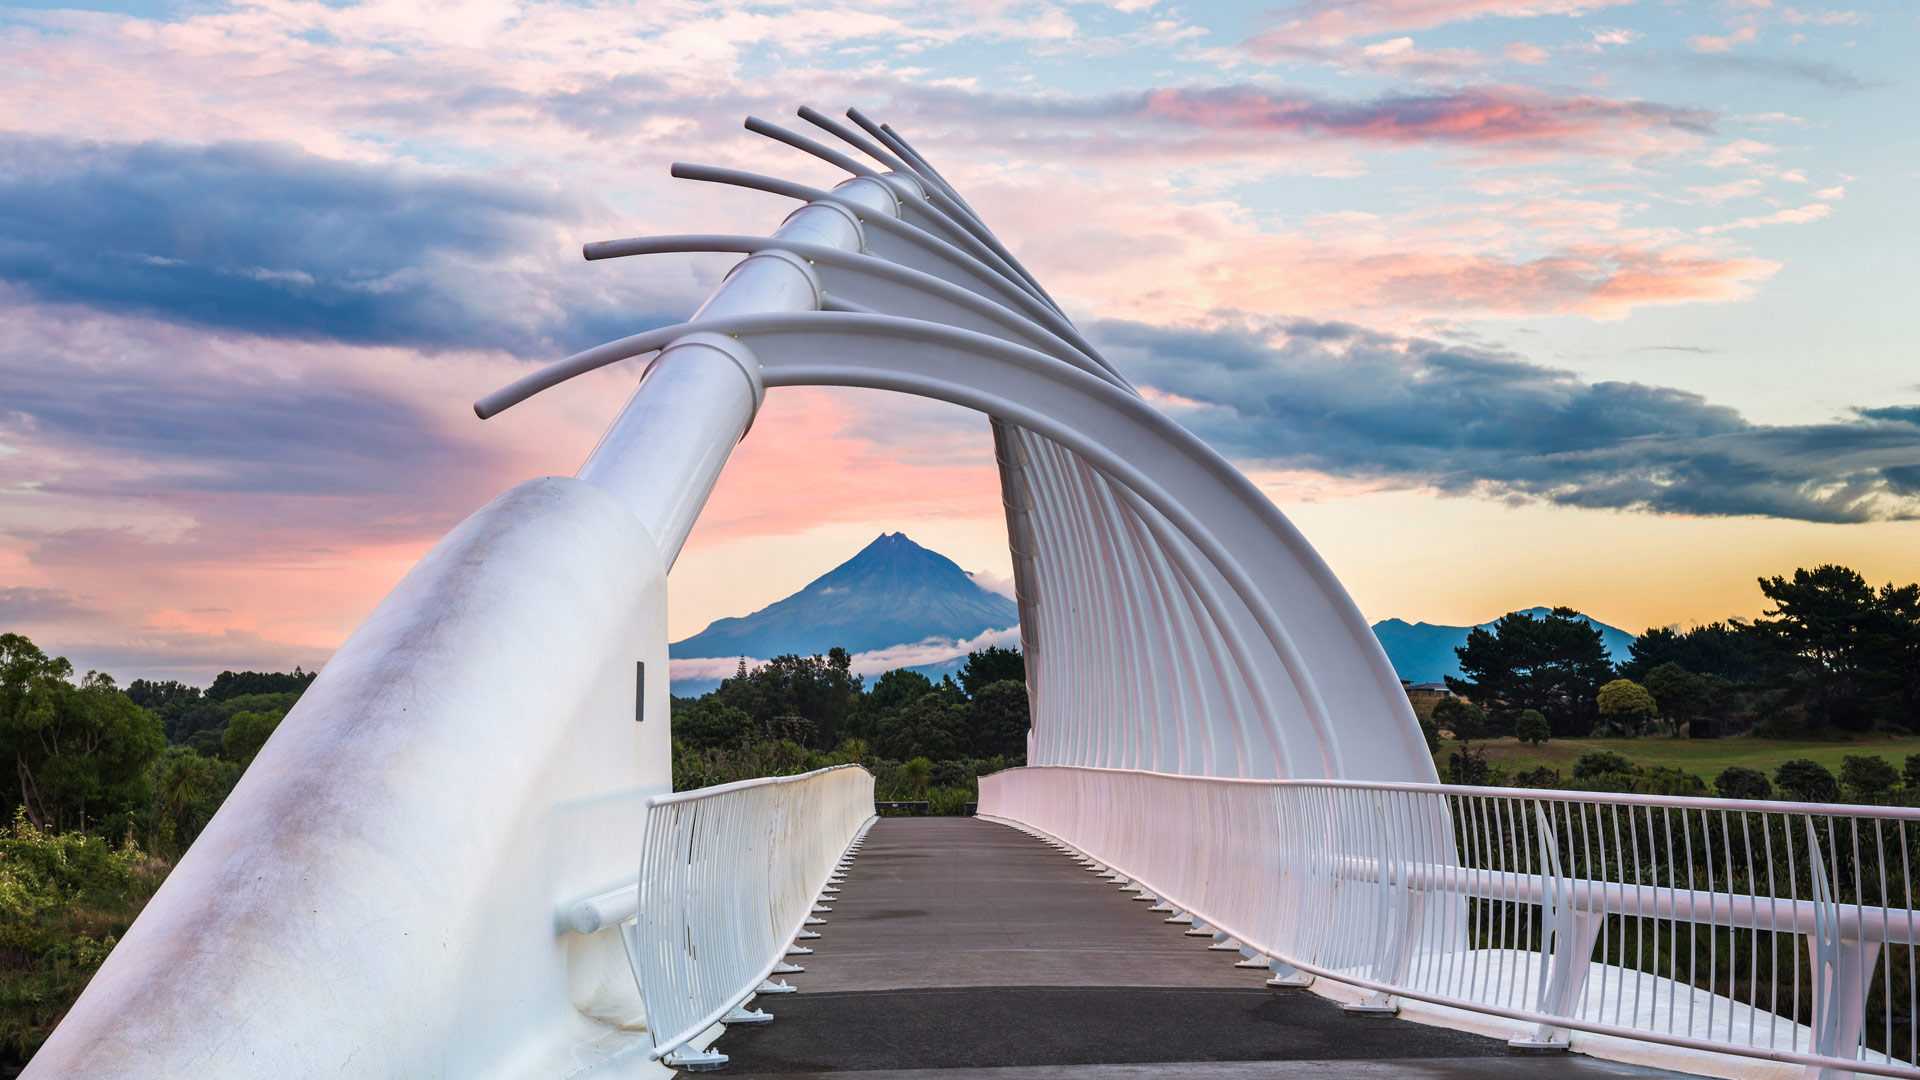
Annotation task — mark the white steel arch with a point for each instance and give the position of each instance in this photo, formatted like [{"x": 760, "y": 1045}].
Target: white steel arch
[{"x": 390, "y": 885}]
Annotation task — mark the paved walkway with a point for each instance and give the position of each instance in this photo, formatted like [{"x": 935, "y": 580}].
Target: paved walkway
[{"x": 964, "y": 950}]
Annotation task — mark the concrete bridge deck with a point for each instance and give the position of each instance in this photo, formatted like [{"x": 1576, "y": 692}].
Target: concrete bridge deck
[{"x": 964, "y": 950}]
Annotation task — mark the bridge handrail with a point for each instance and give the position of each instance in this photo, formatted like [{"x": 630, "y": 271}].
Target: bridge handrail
[
  {"x": 728, "y": 877},
  {"x": 1534, "y": 905}
]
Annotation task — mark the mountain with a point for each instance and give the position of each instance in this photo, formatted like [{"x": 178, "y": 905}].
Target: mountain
[
  {"x": 893, "y": 592},
  {"x": 1423, "y": 652}
]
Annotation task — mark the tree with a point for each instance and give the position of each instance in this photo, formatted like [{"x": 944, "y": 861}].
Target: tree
[
  {"x": 79, "y": 754},
  {"x": 1910, "y": 775},
  {"x": 917, "y": 772},
  {"x": 187, "y": 788},
  {"x": 1463, "y": 718},
  {"x": 991, "y": 665},
  {"x": 1806, "y": 781},
  {"x": 230, "y": 684},
  {"x": 1867, "y": 778},
  {"x": 1554, "y": 664},
  {"x": 1531, "y": 727},
  {"x": 246, "y": 733},
  {"x": 1625, "y": 706},
  {"x": 999, "y": 719},
  {"x": 1682, "y": 697},
  {"x": 930, "y": 726},
  {"x": 707, "y": 722},
  {"x": 821, "y": 690},
  {"x": 1818, "y": 617},
  {"x": 1736, "y": 782},
  {"x": 897, "y": 688}
]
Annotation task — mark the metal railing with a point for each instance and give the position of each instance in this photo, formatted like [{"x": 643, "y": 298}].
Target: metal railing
[
  {"x": 728, "y": 878},
  {"x": 1779, "y": 931}
]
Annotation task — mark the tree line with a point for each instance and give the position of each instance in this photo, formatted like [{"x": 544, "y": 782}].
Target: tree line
[
  {"x": 1831, "y": 654},
  {"x": 104, "y": 788},
  {"x": 923, "y": 740}
]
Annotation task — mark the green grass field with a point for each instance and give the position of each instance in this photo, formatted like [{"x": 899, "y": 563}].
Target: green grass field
[{"x": 1702, "y": 757}]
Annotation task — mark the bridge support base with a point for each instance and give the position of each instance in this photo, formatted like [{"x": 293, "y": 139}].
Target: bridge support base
[
  {"x": 743, "y": 1015},
  {"x": 1544, "y": 1041},
  {"x": 784, "y": 968},
  {"x": 1374, "y": 1004},
  {"x": 781, "y": 987},
  {"x": 1179, "y": 918},
  {"x": 692, "y": 1060},
  {"x": 1288, "y": 977}
]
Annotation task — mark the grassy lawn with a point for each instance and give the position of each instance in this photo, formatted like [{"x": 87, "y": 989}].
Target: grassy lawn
[{"x": 1702, "y": 757}]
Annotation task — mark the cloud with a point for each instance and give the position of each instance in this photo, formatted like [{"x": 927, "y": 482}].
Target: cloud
[
  {"x": 1352, "y": 402},
  {"x": 271, "y": 240},
  {"x": 1708, "y": 43},
  {"x": 1771, "y": 68},
  {"x": 1329, "y": 22},
  {"x": 1488, "y": 115},
  {"x": 872, "y": 662},
  {"x": 1793, "y": 215},
  {"x": 22, "y": 605},
  {"x": 1249, "y": 120}
]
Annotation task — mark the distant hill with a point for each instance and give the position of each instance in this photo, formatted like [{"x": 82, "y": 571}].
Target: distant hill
[
  {"x": 892, "y": 592},
  {"x": 1423, "y": 652}
]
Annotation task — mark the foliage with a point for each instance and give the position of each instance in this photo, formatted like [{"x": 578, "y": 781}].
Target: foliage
[
  {"x": 991, "y": 665},
  {"x": 187, "y": 787},
  {"x": 809, "y": 699},
  {"x": 1806, "y": 781},
  {"x": 1554, "y": 665},
  {"x": 1468, "y": 766},
  {"x": 1531, "y": 727},
  {"x": 1681, "y": 698},
  {"x": 246, "y": 733},
  {"x": 1625, "y": 707},
  {"x": 78, "y": 753},
  {"x": 1852, "y": 653},
  {"x": 1738, "y": 782},
  {"x": 1868, "y": 779},
  {"x": 1600, "y": 763},
  {"x": 65, "y": 899},
  {"x": 999, "y": 718},
  {"x": 1466, "y": 720}
]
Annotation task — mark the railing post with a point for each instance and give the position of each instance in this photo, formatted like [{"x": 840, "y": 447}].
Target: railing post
[
  {"x": 1572, "y": 956},
  {"x": 1842, "y": 971}
]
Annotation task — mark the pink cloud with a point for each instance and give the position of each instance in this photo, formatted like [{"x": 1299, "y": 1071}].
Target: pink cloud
[
  {"x": 1330, "y": 22},
  {"x": 1487, "y": 116}
]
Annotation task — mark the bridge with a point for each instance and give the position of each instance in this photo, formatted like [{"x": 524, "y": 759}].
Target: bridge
[{"x": 461, "y": 856}]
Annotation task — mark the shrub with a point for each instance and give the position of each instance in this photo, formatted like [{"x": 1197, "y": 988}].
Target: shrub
[
  {"x": 1912, "y": 773},
  {"x": 1625, "y": 707},
  {"x": 1806, "y": 781},
  {"x": 1531, "y": 726},
  {"x": 1867, "y": 778},
  {"x": 1463, "y": 718},
  {"x": 1468, "y": 766},
  {"x": 1667, "y": 780},
  {"x": 1736, "y": 782},
  {"x": 1541, "y": 777},
  {"x": 65, "y": 899},
  {"x": 1600, "y": 762}
]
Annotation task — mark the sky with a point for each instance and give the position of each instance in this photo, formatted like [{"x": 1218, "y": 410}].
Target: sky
[{"x": 1606, "y": 303}]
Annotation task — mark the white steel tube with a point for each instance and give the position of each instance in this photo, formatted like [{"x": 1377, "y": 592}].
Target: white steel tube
[{"x": 664, "y": 452}]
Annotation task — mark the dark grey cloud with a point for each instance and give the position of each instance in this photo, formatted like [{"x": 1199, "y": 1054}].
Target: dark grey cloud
[
  {"x": 1349, "y": 401},
  {"x": 270, "y": 240}
]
